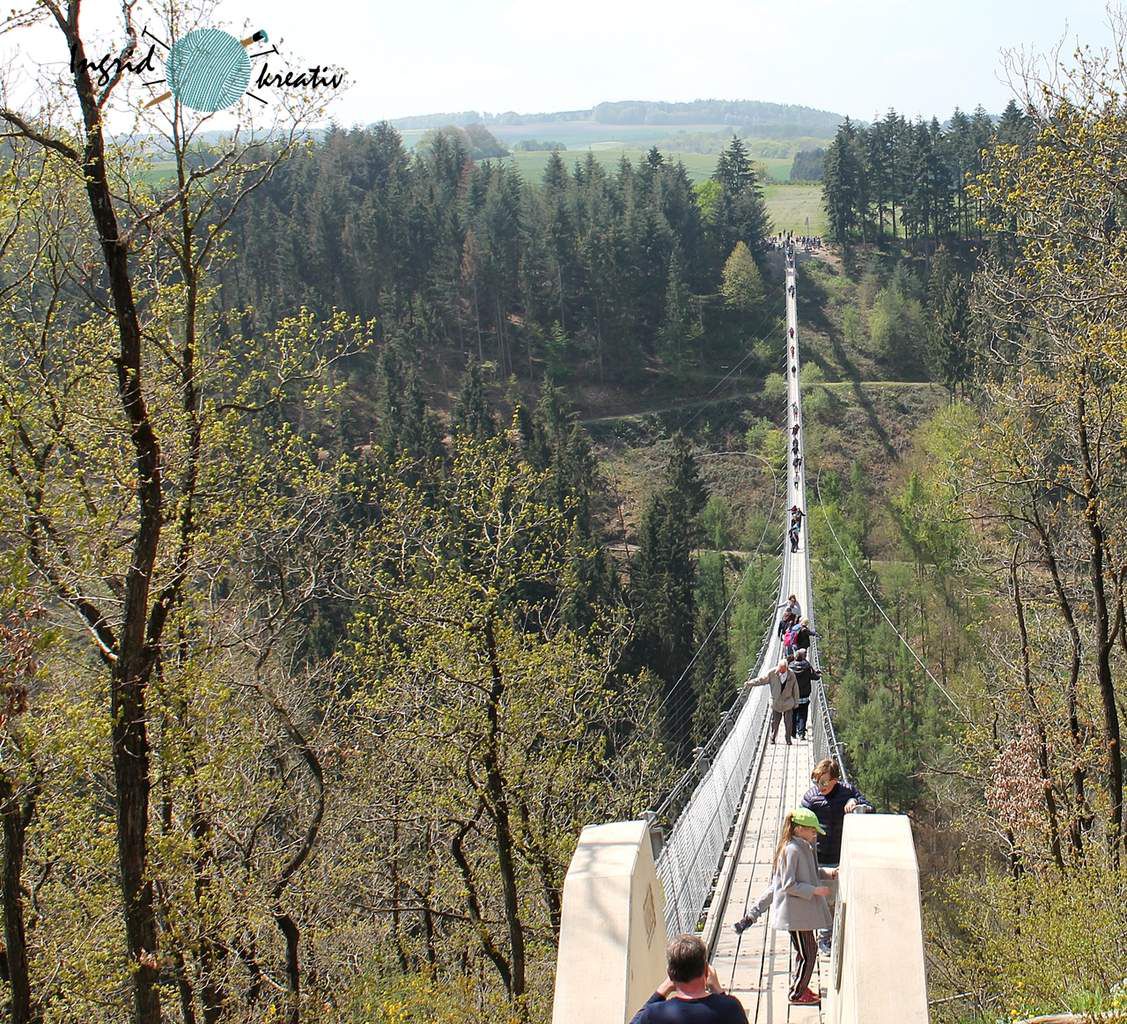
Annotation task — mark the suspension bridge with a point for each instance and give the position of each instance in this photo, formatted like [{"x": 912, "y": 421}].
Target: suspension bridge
[{"x": 702, "y": 856}]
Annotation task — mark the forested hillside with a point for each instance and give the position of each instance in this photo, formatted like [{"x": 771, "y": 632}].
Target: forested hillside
[
  {"x": 372, "y": 519},
  {"x": 603, "y": 270}
]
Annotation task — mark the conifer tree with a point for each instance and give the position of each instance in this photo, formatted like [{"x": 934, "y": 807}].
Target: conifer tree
[
  {"x": 684, "y": 485},
  {"x": 742, "y": 285},
  {"x": 473, "y": 415},
  {"x": 680, "y": 329},
  {"x": 662, "y": 581},
  {"x": 663, "y": 584},
  {"x": 715, "y": 683},
  {"x": 740, "y": 213},
  {"x": 948, "y": 323}
]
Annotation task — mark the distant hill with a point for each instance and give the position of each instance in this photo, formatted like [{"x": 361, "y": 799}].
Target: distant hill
[
  {"x": 465, "y": 117},
  {"x": 754, "y": 117}
]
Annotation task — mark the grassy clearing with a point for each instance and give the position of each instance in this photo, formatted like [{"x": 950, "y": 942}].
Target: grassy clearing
[
  {"x": 581, "y": 134},
  {"x": 796, "y": 208}
]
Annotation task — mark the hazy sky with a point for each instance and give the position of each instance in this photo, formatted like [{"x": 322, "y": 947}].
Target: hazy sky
[{"x": 854, "y": 57}]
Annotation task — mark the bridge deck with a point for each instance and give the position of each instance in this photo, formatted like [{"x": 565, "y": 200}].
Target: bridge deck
[{"x": 756, "y": 966}]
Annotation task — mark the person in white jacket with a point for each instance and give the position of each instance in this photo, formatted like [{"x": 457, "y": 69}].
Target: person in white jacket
[{"x": 784, "y": 697}]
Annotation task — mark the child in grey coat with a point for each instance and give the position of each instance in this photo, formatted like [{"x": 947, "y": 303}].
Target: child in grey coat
[{"x": 798, "y": 901}]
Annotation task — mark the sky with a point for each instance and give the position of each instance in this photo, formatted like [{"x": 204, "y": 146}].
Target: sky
[{"x": 855, "y": 57}]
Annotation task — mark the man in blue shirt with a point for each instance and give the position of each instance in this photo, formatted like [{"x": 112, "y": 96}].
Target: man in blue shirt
[{"x": 692, "y": 993}]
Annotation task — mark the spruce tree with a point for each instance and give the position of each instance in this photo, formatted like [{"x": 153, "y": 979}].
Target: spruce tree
[
  {"x": 680, "y": 329},
  {"x": 473, "y": 414},
  {"x": 742, "y": 284},
  {"x": 684, "y": 486},
  {"x": 663, "y": 588},
  {"x": 740, "y": 213},
  {"x": 715, "y": 683},
  {"x": 948, "y": 323},
  {"x": 662, "y": 582}
]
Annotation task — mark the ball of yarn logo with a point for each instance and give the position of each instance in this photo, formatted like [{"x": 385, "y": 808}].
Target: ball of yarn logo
[{"x": 208, "y": 69}]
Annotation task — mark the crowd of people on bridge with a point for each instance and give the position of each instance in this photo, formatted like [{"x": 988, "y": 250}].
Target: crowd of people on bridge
[
  {"x": 786, "y": 240},
  {"x": 809, "y": 850}
]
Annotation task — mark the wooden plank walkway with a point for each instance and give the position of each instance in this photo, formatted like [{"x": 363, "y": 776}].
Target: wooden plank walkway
[{"x": 756, "y": 966}]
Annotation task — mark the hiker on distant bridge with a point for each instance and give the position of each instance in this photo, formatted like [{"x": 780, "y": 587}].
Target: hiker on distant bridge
[{"x": 805, "y": 673}]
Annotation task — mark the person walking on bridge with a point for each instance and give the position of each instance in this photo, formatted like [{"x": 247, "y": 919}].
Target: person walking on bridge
[
  {"x": 784, "y": 697},
  {"x": 692, "y": 993},
  {"x": 799, "y": 903},
  {"x": 805, "y": 673}
]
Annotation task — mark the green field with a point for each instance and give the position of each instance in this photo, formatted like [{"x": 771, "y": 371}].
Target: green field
[
  {"x": 581, "y": 134},
  {"x": 788, "y": 205},
  {"x": 796, "y": 208},
  {"x": 671, "y": 139}
]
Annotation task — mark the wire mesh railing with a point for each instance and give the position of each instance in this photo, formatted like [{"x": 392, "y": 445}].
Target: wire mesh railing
[{"x": 695, "y": 820}]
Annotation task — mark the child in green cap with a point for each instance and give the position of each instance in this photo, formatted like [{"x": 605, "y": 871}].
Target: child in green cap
[{"x": 799, "y": 897}]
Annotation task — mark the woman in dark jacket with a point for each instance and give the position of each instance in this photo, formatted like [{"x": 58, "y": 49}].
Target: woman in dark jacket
[{"x": 831, "y": 800}]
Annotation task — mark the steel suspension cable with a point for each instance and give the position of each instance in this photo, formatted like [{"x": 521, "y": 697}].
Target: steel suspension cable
[
  {"x": 877, "y": 605},
  {"x": 731, "y": 600}
]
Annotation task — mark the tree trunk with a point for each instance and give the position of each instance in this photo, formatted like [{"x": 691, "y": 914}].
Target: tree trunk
[
  {"x": 1035, "y": 711},
  {"x": 1097, "y": 542},
  {"x": 1079, "y": 774},
  {"x": 498, "y": 808},
  {"x": 16, "y": 816},
  {"x": 133, "y": 665}
]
